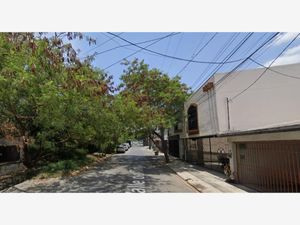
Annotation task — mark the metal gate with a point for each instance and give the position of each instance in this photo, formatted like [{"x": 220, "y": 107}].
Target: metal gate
[
  {"x": 174, "y": 148},
  {"x": 269, "y": 166},
  {"x": 174, "y": 145},
  {"x": 194, "y": 150}
]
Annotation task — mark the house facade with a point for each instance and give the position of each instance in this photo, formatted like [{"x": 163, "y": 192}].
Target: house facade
[
  {"x": 12, "y": 156},
  {"x": 251, "y": 120}
]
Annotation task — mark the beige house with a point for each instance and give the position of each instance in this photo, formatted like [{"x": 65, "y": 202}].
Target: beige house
[{"x": 250, "y": 118}]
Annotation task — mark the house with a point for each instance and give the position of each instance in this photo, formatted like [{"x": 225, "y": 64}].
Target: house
[
  {"x": 251, "y": 119},
  {"x": 12, "y": 168}
]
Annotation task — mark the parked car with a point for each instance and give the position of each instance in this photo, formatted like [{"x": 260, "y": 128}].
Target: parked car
[
  {"x": 127, "y": 145},
  {"x": 121, "y": 149}
]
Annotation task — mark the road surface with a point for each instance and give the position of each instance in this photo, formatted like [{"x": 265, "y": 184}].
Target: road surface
[{"x": 136, "y": 171}]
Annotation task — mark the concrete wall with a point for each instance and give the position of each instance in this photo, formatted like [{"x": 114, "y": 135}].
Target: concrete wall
[
  {"x": 207, "y": 115},
  {"x": 172, "y": 132},
  {"x": 181, "y": 150},
  {"x": 217, "y": 144},
  {"x": 11, "y": 168},
  {"x": 272, "y": 101}
]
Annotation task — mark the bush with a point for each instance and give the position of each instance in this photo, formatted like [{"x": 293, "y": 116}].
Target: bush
[
  {"x": 80, "y": 153},
  {"x": 71, "y": 153},
  {"x": 92, "y": 148},
  {"x": 64, "y": 166}
]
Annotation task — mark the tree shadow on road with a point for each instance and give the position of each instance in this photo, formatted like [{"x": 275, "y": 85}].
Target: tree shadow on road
[{"x": 114, "y": 176}]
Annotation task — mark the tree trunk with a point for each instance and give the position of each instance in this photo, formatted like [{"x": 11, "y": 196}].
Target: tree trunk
[
  {"x": 164, "y": 145},
  {"x": 26, "y": 159},
  {"x": 150, "y": 143},
  {"x": 166, "y": 152}
]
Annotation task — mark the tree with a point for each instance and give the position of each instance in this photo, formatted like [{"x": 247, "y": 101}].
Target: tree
[
  {"x": 51, "y": 97},
  {"x": 159, "y": 97},
  {"x": 59, "y": 103}
]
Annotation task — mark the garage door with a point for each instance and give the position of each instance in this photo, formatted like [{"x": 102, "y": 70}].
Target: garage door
[{"x": 269, "y": 166}]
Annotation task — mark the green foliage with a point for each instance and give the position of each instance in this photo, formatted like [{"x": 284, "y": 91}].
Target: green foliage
[
  {"x": 58, "y": 102},
  {"x": 66, "y": 108},
  {"x": 158, "y": 97},
  {"x": 64, "y": 166}
]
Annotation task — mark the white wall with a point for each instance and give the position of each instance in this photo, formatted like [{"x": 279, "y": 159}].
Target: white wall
[
  {"x": 172, "y": 131},
  {"x": 207, "y": 119},
  {"x": 272, "y": 101}
]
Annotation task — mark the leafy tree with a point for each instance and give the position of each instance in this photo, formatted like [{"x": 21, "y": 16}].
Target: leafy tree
[
  {"x": 52, "y": 98},
  {"x": 159, "y": 98},
  {"x": 61, "y": 105}
]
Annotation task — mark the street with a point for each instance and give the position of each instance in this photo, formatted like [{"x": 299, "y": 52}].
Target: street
[{"x": 136, "y": 171}]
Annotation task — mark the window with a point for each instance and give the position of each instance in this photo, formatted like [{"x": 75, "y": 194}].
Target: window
[
  {"x": 193, "y": 120},
  {"x": 9, "y": 154}
]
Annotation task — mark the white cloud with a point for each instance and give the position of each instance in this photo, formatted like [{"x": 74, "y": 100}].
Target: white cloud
[
  {"x": 292, "y": 55},
  {"x": 284, "y": 38},
  {"x": 292, "y": 51}
]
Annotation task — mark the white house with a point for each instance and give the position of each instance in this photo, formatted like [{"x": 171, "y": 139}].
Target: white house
[{"x": 251, "y": 117}]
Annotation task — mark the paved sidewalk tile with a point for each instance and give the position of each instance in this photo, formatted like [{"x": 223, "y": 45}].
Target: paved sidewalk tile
[{"x": 204, "y": 180}]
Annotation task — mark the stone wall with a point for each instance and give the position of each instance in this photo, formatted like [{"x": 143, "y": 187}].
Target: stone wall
[
  {"x": 10, "y": 168},
  {"x": 9, "y": 180},
  {"x": 11, "y": 174}
]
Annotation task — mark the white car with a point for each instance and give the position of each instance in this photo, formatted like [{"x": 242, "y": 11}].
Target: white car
[
  {"x": 127, "y": 146},
  {"x": 121, "y": 149}
]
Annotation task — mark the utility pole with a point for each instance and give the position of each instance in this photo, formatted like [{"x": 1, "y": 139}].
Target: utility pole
[{"x": 228, "y": 115}]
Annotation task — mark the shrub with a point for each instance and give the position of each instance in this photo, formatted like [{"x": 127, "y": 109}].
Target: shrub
[{"x": 64, "y": 166}]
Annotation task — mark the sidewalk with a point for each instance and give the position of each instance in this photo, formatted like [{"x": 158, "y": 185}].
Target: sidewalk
[{"x": 204, "y": 180}]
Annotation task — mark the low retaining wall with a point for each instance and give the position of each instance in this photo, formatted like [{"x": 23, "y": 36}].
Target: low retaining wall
[
  {"x": 9, "y": 180},
  {"x": 11, "y": 174}
]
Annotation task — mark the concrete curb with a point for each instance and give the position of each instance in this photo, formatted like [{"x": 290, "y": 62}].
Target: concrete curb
[
  {"x": 193, "y": 181},
  {"x": 210, "y": 182}
]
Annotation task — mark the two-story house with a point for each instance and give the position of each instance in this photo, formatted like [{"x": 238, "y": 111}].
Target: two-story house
[{"x": 252, "y": 119}]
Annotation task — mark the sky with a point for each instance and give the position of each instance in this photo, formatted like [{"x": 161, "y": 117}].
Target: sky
[{"x": 200, "y": 46}]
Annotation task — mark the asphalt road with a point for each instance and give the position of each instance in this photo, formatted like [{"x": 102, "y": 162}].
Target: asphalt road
[{"x": 136, "y": 171}]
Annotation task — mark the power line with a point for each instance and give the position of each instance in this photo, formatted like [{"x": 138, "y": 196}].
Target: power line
[
  {"x": 218, "y": 55},
  {"x": 121, "y": 46},
  {"x": 240, "y": 64},
  {"x": 275, "y": 71},
  {"x": 176, "y": 49},
  {"x": 242, "y": 42},
  {"x": 169, "y": 56},
  {"x": 125, "y": 46},
  {"x": 166, "y": 51},
  {"x": 103, "y": 43},
  {"x": 259, "y": 55},
  {"x": 195, "y": 55},
  {"x": 260, "y": 76},
  {"x": 209, "y": 66},
  {"x": 246, "y": 51},
  {"x": 199, "y": 44},
  {"x": 118, "y": 43},
  {"x": 166, "y": 36}
]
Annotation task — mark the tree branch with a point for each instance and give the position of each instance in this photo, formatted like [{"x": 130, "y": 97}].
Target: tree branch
[{"x": 157, "y": 134}]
